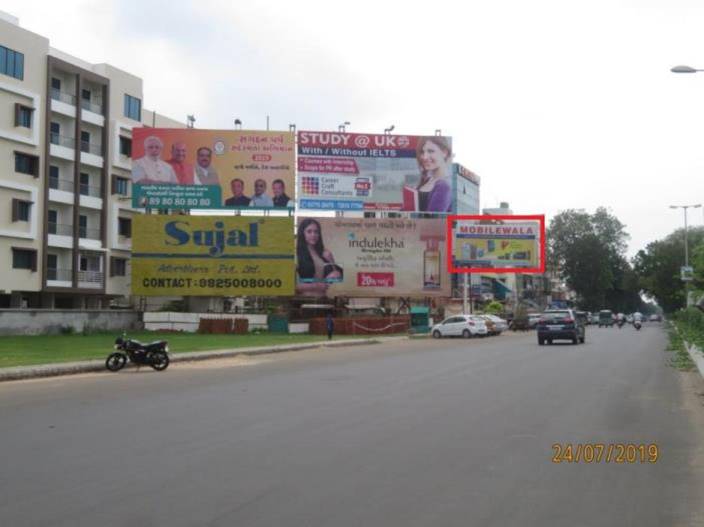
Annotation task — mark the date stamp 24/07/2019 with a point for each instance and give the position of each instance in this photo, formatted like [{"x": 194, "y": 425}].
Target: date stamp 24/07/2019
[{"x": 605, "y": 453}]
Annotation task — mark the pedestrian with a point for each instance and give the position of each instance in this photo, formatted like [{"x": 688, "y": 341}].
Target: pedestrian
[{"x": 330, "y": 325}]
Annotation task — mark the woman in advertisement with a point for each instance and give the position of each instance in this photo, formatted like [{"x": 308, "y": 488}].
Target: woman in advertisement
[
  {"x": 316, "y": 265},
  {"x": 434, "y": 156}
]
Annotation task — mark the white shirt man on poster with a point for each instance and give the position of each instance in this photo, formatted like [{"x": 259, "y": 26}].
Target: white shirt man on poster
[{"x": 150, "y": 169}]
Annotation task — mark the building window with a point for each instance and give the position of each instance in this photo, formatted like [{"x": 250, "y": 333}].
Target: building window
[
  {"x": 23, "y": 115},
  {"x": 133, "y": 108},
  {"x": 11, "y": 63},
  {"x": 124, "y": 227},
  {"x": 82, "y": 226},
  {"x": 84, "y": 184},
  {"x": 118, "y": 266},
  {"x": 85, "y": 95},
  {"x": 26, "y": 164},
  {"x": 52, "y": 264},
  {"x": 53, "y": 177},
  {"x": 125, "y": 146},
  {"x": 20, "y": 210},
  {"x": 85, "y": 141},
  {"x": 53, "y": 219},
  {"x": 120, "y": 186},
  {"x": 24, "y": 259},
  {"x": 55, "y": 84},
  {"x": 54, "y": 133}
]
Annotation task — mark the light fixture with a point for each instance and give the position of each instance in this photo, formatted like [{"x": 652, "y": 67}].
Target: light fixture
[
  {"x": 238, "y": 124},
  {"x": 388, "y": 130},
  {"x": 341, "y": 128}
]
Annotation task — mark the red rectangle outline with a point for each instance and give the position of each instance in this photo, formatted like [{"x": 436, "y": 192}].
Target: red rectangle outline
[{"x": 519, "y": 270}]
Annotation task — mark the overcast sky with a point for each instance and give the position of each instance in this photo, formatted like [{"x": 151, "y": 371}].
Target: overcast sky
[{"x": 555, "y": 104}]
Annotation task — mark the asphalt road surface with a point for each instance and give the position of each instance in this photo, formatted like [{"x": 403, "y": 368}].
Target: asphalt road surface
[{"x": 410, "y": 433}]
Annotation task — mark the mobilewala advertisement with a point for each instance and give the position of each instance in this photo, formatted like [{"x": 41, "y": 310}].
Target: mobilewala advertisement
[
  {"x": 371, "y": 257},
  {"x": 212, "y": 256},
  {"x": 496, "y": 243},
  {"x": 344, "y": 171},
  {"x": 187, "y": 168}
]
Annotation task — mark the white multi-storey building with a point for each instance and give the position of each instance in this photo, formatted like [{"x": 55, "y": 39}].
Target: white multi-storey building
[{"x": 65, "y": 190}]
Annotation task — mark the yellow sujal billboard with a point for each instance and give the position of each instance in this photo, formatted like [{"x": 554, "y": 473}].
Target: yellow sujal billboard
[{"x": 212, "y": 256}]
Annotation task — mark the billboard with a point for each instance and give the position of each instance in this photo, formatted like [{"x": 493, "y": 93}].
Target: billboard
[
  {"x": 344, "y": 171},
  {"x": 371, "y": 257},
  {"x": 496, "y": 244},
  {"x": 187, "y": 168},
  {"x": 212, "y": 256}
]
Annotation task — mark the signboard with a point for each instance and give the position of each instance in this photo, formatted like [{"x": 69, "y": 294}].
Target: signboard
[
  {"x": 686, "y": 273},
  {"x": 212, "y": 256},
  {"x": 371, "y": 257},
  {"x": 187, "y": 168},
  {"x": 496, "y": 244},
  {"x": 342, "y": 171}
]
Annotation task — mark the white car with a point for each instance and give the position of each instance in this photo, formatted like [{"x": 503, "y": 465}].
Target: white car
[
  {"x": 460, "y": 326},
  {"x": 499, "y": 323}
]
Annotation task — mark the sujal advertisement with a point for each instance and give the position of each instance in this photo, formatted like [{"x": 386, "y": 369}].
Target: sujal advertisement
[
  {"x": 496, "y": 244},
  {"x": 341, "y": 171},
  {"x": 186, "y": 168},
  {"x": 371, "y": 257},
  {"x": 212, "y": 256}
]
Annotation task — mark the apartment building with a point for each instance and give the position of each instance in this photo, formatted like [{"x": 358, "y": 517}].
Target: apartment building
[{"x": 65, "y": 190}]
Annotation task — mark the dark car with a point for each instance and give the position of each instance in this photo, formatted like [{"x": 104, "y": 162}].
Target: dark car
[{"x": 561, "y": 324}]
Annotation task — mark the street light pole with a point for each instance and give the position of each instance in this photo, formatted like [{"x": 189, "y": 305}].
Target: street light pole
[{"x": 686, "y": 244}]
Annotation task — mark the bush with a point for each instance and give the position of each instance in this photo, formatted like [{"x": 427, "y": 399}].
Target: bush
[{"x": 494, "y": 308}]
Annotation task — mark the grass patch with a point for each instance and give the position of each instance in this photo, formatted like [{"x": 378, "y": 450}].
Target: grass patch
[
  {"x": 46, "y": 349},
  {"x": 680, "y": 357}
]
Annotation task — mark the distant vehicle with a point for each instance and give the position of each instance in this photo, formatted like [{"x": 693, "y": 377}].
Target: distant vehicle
[
  {"x": 498, "y": 324},
  {"x": 590, "y": 319},
  {"x": 561, "y": 324},
  {"x": 655, "y": 318},
  {"x": 595, "y": 318},
  {"x": 606, "y": 318},
  {"x": 630, "y": 319},
  {"x": 533, "y": 319},
  {"x": 460, "y": 326}
]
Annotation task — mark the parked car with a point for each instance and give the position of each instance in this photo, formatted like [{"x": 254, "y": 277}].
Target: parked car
[
  {"x": 460, "y": 326},
  {"x": 490, "y": 326},
  {"x": 500, "y": 325},
  {"x": 606, "y": 318},
  {"x": 561, "y": 324},
  {"x": 655, "y": 318}
]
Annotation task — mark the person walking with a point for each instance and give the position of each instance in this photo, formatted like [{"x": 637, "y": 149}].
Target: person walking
[{"x": 330, "y": 325}]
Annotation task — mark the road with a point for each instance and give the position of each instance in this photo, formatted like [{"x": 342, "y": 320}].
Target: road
[{"x": 412, "y": 433}]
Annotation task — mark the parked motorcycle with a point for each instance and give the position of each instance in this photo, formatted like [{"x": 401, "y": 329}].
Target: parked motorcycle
[{"x": 154, "y": 354}]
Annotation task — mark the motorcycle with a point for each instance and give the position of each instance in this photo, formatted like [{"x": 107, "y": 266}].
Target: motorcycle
[
  {"x": 154, "y": 354},
  {"x": 637, "y": 324},
  {"x": 620, "y": 323}
]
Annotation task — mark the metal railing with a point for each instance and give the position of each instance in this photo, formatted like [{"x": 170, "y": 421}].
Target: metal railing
[
  {"x": 63, "y": 275},
  {"x": 91, "y": 148},
  {"x": 89, "y": 234},
  {"x": 87, "y": 190},
  {"x": 62, "y": 96},
  {"x": 93, "y": 277},
  {"x": 62, "y": 140},
  {"x": 91, "y": 106},
  {"x": 60, "y": 184},
  {"x": 60, "y": 229}
]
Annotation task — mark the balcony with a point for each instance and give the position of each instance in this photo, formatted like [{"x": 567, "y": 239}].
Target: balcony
[
  {"x": 87, "y": 190},
  {"x": 92, "y": 148},
  {"x": 62, "y": 140},
  {"x": 61, "y": 275},
  {"x": 92, "y": 106},
  {"x": 62, "y": 146},
  {"x": 91, "y": 279},
  {"x": 60, "y": 184},
  {"x": 63, "y": 96},
  {"x": 88, "y": 234},
  {"x": 59, "y": 229}
]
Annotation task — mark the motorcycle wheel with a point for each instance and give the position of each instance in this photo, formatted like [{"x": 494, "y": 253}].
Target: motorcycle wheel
[
  {"x": 115, "y": 361},
  {"x": 160, "y": 360}
]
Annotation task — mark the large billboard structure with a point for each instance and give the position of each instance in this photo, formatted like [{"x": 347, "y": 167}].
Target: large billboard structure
[
  {"x": 496, "y": 244},
  {"x": 371, "y": 257},
  {"x": 187, "y": 168},
  {"x": 345, "y": 171},
  {"x": 212, "y": 256}
]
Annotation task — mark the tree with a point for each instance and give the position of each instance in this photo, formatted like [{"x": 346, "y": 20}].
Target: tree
[
  {"x": 588, "y": 251},
  {"x": 658, "y": 266}
]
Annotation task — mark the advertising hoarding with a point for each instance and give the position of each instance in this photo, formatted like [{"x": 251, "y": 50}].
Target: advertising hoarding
[
  {"x": 186, "y": 168},
  {"x": 212, "y": 256},
  {"x": 345, "y": 171},
  {"x": 371, "y": 257},
  {"x": 496, "y": 244}
]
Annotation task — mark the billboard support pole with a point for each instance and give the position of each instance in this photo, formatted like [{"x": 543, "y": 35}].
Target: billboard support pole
[{"x": 465, "y": 290}]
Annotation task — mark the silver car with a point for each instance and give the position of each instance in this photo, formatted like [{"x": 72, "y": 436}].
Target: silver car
[
  {"x": 460, "y": 326},
  {"x": 500, "y": 324}
]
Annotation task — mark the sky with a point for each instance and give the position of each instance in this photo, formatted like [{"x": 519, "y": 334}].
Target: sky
[{"x": 554, "y": 104}]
